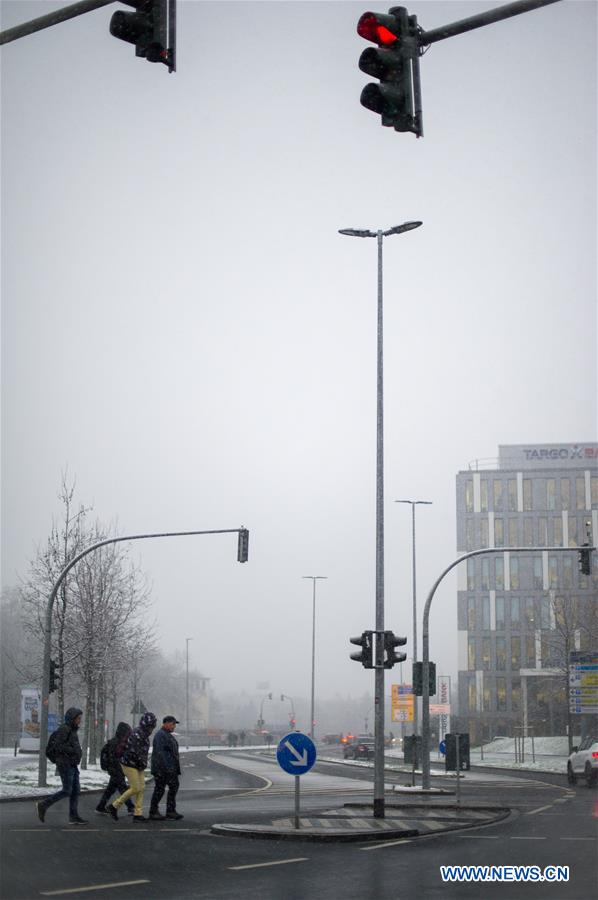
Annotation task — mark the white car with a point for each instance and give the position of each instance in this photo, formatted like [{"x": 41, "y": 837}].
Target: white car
[{"x": 583, "y": 761}]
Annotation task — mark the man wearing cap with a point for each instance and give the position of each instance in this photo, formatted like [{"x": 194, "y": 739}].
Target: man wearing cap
[{"x": 165, "y": 769}]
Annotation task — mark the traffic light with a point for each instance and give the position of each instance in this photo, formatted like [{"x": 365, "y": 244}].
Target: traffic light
[
  {"x": 395, "y": 62},
  {"x": 54, "y": 676},
  {"x": 585, "y": 560},
  {"x": 365, "y": 657},
  {"x": 390, "y": 655},
  {"x": 146, "y": 28},
  {"x": 243, "y": 547},
  {"x": 418, "y": 682}
]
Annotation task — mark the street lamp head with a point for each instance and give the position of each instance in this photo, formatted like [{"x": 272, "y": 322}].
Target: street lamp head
[
  {"x": 316, "y": 577},
  {"x": 357, "y": 232},
  {"x": 416, "y": 502},
  {"x": 399, "y": 229}
]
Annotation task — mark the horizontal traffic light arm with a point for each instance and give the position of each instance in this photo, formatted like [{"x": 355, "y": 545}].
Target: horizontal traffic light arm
[
  {"x": 426, "y": 38},
  {"x": 54, "y": 18}
]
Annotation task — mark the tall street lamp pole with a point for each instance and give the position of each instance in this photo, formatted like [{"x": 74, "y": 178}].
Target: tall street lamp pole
[
  {"x": 414, "y": 503},
  {"x": 379, "y": 662},
  {"x": 314, "y": 578},
  {"x": 187, "y": 691}
]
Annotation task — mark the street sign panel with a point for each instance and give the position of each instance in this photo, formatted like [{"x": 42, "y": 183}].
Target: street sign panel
[{"x": 296, "y": 753}]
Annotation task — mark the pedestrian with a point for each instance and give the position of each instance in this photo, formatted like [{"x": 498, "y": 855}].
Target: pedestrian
[
  {"x": 134, "y": 761},
  {"x": 64, "y": 749},
  {"x": 110, "y": 757},
  {"x": 165, "y": 769}
]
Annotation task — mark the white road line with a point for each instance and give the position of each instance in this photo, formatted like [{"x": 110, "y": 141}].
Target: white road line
[
  {"x": 523, "y": 837},
  {"x": 532, "y": 812},
  {"x": 385, "y": 844},
  {"x": 475, "y": 837},
  {"x": 94, "y": 887},
  {"x": 277, "y": 862},
  {"x": 577, "y": 839}
]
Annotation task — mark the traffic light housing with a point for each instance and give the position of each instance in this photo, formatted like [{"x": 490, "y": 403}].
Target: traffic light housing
[
  {"x": 395, "y": 63},
  {"x": 365, "y": 656},
  {"x": 585, "y": 560},
  {"x": 391, "y": 657},
  {"x": 418, "y": 680},
  {"x": 54, "y": 676},
  {"x": 146, "y": 28},
  {"x": 243, "y": 547}
]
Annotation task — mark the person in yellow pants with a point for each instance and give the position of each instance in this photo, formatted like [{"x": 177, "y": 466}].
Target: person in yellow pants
[{"x": 134, "y": 762}]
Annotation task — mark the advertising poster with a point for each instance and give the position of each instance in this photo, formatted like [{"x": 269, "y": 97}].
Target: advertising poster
[{"x": 31, "y": 700}]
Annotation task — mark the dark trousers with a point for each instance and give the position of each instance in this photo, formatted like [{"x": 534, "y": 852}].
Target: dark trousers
[
  {"x": 161, "y": 782},
  {"x": 69, "y": 775},
  {"x": 117, "y": 783}
]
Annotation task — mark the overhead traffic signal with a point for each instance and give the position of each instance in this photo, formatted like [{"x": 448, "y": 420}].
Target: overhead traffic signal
[
  {"x": 395, "y": 62},
  {"x": 418, "y": 679},
  {"x": 390, "y": 655},
  {"x": 365, "y": 657},
  {"x": 146, "y": 28},
  {"x": 585, "y": 560},
  {"x": 243, "y": 548},
  {"x": 54, "y": 676}
]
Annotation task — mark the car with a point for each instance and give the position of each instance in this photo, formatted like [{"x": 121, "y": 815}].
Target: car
[
  {"x": 359, "y": 749},
  {"x": 331, "y": 739},
  {"x": 583, "y": 761}
]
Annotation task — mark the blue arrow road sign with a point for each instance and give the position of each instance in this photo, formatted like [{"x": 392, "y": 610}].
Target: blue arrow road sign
[{"x": 296, "y": 753}]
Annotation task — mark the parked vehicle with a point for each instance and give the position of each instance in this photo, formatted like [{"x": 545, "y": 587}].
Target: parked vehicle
[
  {"x": 359, "y": 749},
  {"x": 583, "y": 761}
]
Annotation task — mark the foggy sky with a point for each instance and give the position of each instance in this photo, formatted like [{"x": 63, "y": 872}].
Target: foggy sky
[{"x": 185, "y": 330}]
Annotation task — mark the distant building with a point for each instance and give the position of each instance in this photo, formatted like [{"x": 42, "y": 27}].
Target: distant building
[{"x": 519, "y": 614}]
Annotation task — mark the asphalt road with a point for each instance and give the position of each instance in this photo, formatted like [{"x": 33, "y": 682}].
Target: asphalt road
[{"x": 551, "y": 825}]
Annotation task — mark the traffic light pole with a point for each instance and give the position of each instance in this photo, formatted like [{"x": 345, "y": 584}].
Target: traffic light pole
[
  {"x": 43, "y": 730},
  {"x": 425, "y": 38},
  {"x": 54, "y": 18},
  {"x": 426, "y": 640}
]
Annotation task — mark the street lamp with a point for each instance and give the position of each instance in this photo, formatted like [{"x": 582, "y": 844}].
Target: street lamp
[
  {"x": 187, "y": 692},
  {"x": 314, "y": 578},
  {"x": 284, "y": 697},
  {"x": 379, "y": 678},
  {"x": 414, "y": 503}
]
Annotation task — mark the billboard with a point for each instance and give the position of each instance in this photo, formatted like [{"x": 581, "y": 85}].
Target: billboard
[{"x": 31, "y": 701}]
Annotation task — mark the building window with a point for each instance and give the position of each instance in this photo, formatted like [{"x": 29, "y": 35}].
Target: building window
[
  {"x": 594, "y": 489},
  {"x": 528, "y": 533},
  {"x": 546, "y": 651},
  {"x": 484, "y": 495},
  {"x": 512, "y": 494},
  {"x": 485, "y": 574},
  {"x": 580, "y": 493},
  {"x": 550, "y": 493},
  {"x": 527, "y": 494},
  {"x": 471, "y": 654},
  {"x": 472, "y": 696},
  {"x": 552, "y": 572},
  {"x": 499, "y": 573},
  {"x": 486, "y": 654},
  {"x": 469, "y": 496},
  {"x": 471, "y": 574},
  {"x": 565, "y": 493},
  {"x": 499, "y": 533},
  {"x": 483, "y": 533},
  {"x": 500, "y": 613},
  {"x": 498, "y": 499},
  {"x": 516, "y": 695},
  {"x": 515, "y": 614},
  {"x": 538, "y": 574},
  {"x": 555, "y": 536},
  {"x": 486, "y": 695},
  {"x": 567, "y": 570},
  {"x": 501, "y": 654},
  {"x": 471, "y": 613},
  {"x": 501, "y": 694},
  {"x": 513, "y": 541},
  {"x": 530, "y": 651},
  {"x": 572, "y": 533},
  {"x": 528, "y": 613},
  {"x": 542, "y": 531},
  {"x": 485, "y": 601},
  {"x": 514, "y": 573},
  {"x": 469, "y": 534},
  {"x": 516, "y": 653},
  {"x": 545, "y": 613}
]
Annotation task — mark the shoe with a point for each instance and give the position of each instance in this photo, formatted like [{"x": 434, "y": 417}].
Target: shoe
[
  {"x": 174, "y": 815},
  {"x": 101, "y": 810},
  {"x": 41, "y": 810},
  {"x": 157, "y": 816},
  {"x": 130, "y": 810},
  {"x": 112, "y": 811},
  {"x": 77, "y": 820},
  {"x": 140, "y": 818}
]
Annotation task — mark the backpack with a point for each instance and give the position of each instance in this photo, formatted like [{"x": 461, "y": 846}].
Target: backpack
[
  {"x": 52, "y": 747},
  {"x": 105, "y": 757}
]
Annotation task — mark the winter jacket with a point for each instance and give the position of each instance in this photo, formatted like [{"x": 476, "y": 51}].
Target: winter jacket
[
  {"x": 116, "y": 746},
  {"x": 165, "y": 754},
  {"x": 137, "y": 747},
  {"x": 68, "y": 748}
]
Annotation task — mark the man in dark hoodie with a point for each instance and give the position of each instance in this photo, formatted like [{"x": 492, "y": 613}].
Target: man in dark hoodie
[
  {"x": 165, "y": 769},
  {"x": 115, "y": 747},
  {"x": 67, "y": 756},
  {"x": 133, "y": 762}
]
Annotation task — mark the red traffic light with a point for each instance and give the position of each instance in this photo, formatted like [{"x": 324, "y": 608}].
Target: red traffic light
[{"x": 378, "y": 28}]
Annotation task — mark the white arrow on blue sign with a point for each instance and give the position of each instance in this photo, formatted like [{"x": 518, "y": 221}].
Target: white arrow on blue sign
[{"x": 296, "y": 753}]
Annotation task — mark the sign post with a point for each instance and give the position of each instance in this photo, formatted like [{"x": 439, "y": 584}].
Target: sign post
[{"x": 296, "y": 754}]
